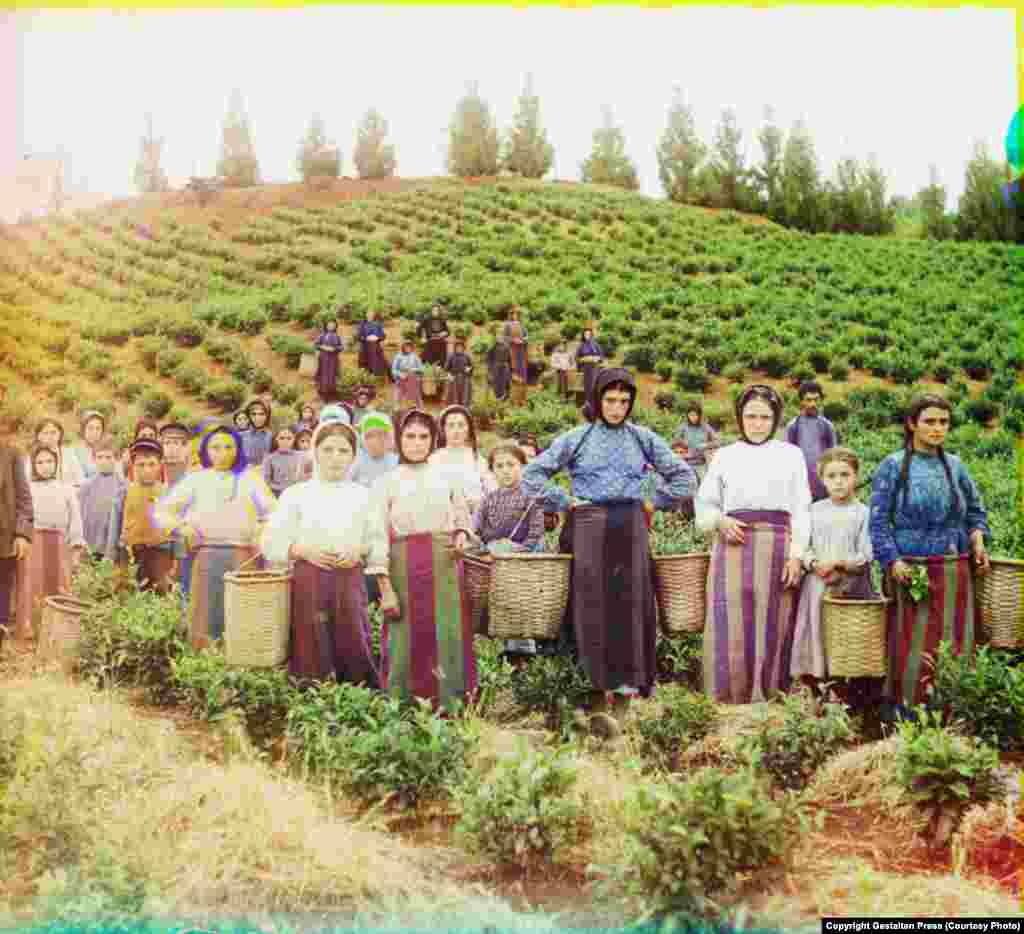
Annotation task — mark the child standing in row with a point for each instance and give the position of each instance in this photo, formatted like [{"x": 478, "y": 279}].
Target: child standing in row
[
  {"x": 99, "y": 494},
  {"x": 283, "y": 466},
  {"x": 174, "y": 439},
  {"x": 259, "y": 437}
]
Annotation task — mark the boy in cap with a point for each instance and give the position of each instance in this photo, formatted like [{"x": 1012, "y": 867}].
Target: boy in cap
[
  {"x": 174, "y": 438},
  {"x": 98, "y": 495},
  {"x": 132, "y": 529}
]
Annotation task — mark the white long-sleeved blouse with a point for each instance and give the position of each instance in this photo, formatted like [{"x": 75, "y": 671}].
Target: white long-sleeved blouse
[
  {"x": 69, "y": 470},
  {"x": 340, "y": 517},
  {"x": 419, "y": 498},
  {"x": 55, "y": 506},
  {"x": 467, "y": 469},
  {"x": 758, "y": 477}
]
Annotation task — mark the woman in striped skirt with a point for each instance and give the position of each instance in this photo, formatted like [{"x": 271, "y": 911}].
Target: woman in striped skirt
[
  {"x": 926, "y": 511},
  {"x": 756, "y": 497},
  {"x": 427, "y": 643},
  {"x": 218, "y": 513}
]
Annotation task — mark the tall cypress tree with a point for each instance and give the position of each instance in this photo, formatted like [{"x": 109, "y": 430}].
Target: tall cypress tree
[
  {"x": 319, "y": 157},
  {"x": 527, "y": 151},
  {"x": 472, "y": 137},
  {"x": 680, "y": 151},
  {"x": 373, "y": 157},
  {"x": 238, "y": 165},
  {"x": 608, "y": 163}
]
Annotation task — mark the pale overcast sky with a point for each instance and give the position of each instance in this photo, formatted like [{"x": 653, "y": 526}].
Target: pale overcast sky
[{"x": 913, "y": 86}]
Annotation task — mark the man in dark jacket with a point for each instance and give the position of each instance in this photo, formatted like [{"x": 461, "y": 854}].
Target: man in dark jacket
[{"x": 16, "y": 519}]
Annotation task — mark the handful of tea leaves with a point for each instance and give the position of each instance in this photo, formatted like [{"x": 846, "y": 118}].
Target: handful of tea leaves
[{"x": 918, "y": 585}]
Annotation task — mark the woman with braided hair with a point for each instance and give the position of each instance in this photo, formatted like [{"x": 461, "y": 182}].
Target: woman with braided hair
[
  {"x": 926, "y": 511},
  {"x": 755, "y": 495}
]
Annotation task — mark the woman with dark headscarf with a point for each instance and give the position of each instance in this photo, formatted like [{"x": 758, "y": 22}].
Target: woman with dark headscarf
[
  {"x": 515, "y": 336},
  {"x": 756, "y": 497},
  {"x": 435, "y": 332},
  {"x": 588, "y": 360},
  {"x": 611, "y": 612},
  {"x": 460, "y": 366},
  {"x": 50, "y": 433},
  {"x": 926, "y": 511},
  {"x": 329, "y": 528},
  {"x": 94, "y": 427},
  {"x": 328, "y": 345},
  {"x": 218, "y": 513},
  {"x": 371, "y": 346},
  {"x": 257, "y": 440},
  {"x": 427, "y": 642}
]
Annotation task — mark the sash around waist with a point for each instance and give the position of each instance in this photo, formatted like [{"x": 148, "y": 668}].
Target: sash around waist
[{"x": 766, "y": 516}]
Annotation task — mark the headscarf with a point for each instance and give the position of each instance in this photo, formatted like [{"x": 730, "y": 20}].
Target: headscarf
[
  {"x": 335, "y": 426},
  {"x": 238, "y": 415},
  {"x": 605, "y": 380},
  {"x": 455, "y": 410},
  {"x": 765, "y": 394},
  {"x": 38, "y": 449},
  {"x": 424, "y": 418},
  {"x": 372, "y": 420},
  {"x": 88, "y": 417},
  {"x": 266, "y": 408},
  {"x": 204, "y": 454},
  {"x": 337, "y": 412}
]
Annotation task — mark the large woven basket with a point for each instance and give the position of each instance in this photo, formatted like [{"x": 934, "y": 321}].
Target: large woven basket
[
  {"x": 575, "y": 381},
  {"x": 1001, "y": 602},
  {"x": 528, "y": 596},
  {"x": 61, "y": 628},
  {"x": 855, "y": 636},
  {"x": 476, "y": 574},
  {"x": 307, "y": 364},
  {"x": 681, "y": 588},
  {"x": 256, "y": 618}
]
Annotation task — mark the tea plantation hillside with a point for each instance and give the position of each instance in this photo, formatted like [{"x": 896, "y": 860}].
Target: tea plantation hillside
[{"x": 170, "y": 308}]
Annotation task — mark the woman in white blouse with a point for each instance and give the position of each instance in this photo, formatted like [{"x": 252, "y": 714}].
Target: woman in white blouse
[
  {"x": 329, "y": 527},
  {"x": 457, "y": 454},
  {"x": 755, "y": 496}
]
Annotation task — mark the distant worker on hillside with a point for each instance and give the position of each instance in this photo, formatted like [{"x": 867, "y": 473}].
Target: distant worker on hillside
[
  {"x": 328, "y": 366},
  {"x": 813, "y": 434},
  {"x": 435, "y": 332},
  {"x": 499, "y": 362},
  {"x": 460, "y": 366},
  {"x": 588, "y": 359},
  {"x": 371, "y": 346},
  {"x": 515, "y": 335}
]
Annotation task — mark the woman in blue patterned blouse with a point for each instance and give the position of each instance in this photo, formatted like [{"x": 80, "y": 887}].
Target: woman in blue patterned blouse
[
  {"x": 926, "y": 511},
  {"x": 611, "y": 615}
]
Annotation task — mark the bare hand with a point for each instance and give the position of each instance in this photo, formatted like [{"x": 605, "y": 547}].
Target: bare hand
[
  {"x": 900, "y": 571},
  {"x": 825, "y": 569},
  {"x": 732, "y": 530},
  {"x": 189, "y": 536},
  {"x": 792, "y": 573},
  {"x": 22, "y": 549},
  {"x": 980, "y": 556},
  {"x": 459, "y": 541}
]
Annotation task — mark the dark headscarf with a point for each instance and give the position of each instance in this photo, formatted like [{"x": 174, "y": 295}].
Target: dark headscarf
[
  {"x": 266, "y": 408},
  {"x": 424, "y": 418},
  {"x": 204, "y": 454},
  {"x": 765, "y": 394},
  {"x": 605, "y": 380}
]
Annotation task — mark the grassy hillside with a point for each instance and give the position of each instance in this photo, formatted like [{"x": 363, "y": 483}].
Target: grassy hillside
[{"x": 157, "y": 302}]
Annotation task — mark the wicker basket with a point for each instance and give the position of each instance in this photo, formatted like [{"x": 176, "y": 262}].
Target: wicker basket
[
  {"x": 61, "y": 628},
  {"x": 256, "y": 617},
  {"x": 528, "y": 596},
  {"x": 477, "y": 579},
  {"x": 307, "y": 364},
  {"x": 855, "y": 636},
  {"x": 575, "y": 381},
  {"x": 681, "y": 588},
  {"x": 1001, "y": 603}
]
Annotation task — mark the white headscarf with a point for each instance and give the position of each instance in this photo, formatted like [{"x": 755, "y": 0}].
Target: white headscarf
[{"x": 348, "y": 433}]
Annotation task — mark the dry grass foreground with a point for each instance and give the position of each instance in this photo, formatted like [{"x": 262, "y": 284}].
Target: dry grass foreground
[{"x": 110, "y": 813}]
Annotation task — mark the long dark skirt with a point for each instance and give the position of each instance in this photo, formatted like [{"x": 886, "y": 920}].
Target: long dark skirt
[
  {"x": 46, "y": 572},
  {"x": 428, "y": 652},
  {"x": 153, "y": 565},
  {"x": 501, "y": 378},
  {"x": 589, "y": 375},
  {"x": 372, "y": 359},
  {"x": 948, "y": 613},
  {"x": 460, "y": 390},
  {"x": 520, "y": 359},
  {"x": 327, "y": 367},
  {"x": 748, "y": 630},
  {"x": 611, "y": 616},
  {"x": 436, "y": 351},
  {"x": 331, "y": 625}
]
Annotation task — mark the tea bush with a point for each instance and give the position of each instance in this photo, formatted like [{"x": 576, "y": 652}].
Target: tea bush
[
  {"x": 555, "y": 685},
  {"x": 527, "y": 812},
  {"x": 791, "y": 752},
  {"x": 156, "y": 404},
  {"x": 685, "y": 718},
  {"x": 168, "y": 360},
  {"x": 687, "y": 840},
  {"x": 984, "y": 694},
  {"x": 227, "y": 396}
]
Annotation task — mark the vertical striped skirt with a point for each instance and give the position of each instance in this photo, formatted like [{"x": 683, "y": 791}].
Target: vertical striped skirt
[
  {"x": 408, "y": 390},
  {"x": 611, "y": 608},
  {"x": 45, "y": 573},
  {"x": 748, "y": 630},
  {"x": 428, "y": 652},
  {"x": 330, "y": 625},
  {"x": 948, "y": 613},
  {"x": 520, "y": 359},
  {"x": 206, "y": 591},
  {"x": 589, "y": 376}
]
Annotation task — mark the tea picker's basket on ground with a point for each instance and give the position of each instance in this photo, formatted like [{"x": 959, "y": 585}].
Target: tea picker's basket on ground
[
  {"x": 1001, "y": 603},
  {"x": 855, "y": 636},
  {"x": 681, "y": 589},
  {"x": 307, "y": 364},
  {"x": 528, "y": 595},
  {"x": 476, "y": 575},
  {"x": 257, "y": 606},
  {"x": 61, "y": 628}
]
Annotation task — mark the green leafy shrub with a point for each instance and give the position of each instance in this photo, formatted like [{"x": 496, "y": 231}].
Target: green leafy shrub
[
  {"x": 186, "y": 332},
  {"x": 686, "y": 841},
  {"x": 839, "y": 371},
  {"x": 820, "y": 358},
  {"x": 156, "y": 404},
  {"x": 735, "y": 373},
  {"x": 802, "y": 372},
  {"x": 286, "y": 393},
  {"x": 220, "y": 350},
  {"x": 985, "y": 695},
  {"x": 774, "y": 361},
  {"x": 168, "y": 360},
  {"x": 680, "y": 659},
  {"x": 290, "y": 347},
  {"x": 527, "y": 812},
  {"x": 642, "y": 358},
  {"x": 664, "y": 369},
  {"x": 691, "y": 377},
  {"x": 686, "y": 717},
  {"x": 940, "y": 768},
  {"x": 792, "y": 751},
  {"x": 227, "y": 396},
  {"x": 191, "y": 379},
  {"x": 836, "y": 410},
  {"x": 981, "y": 410},
  {"x": 149, "y": 348},
  {"x": 554, "y": 685}
]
